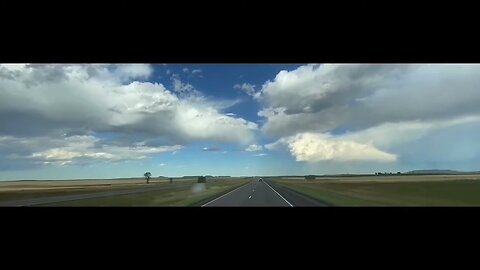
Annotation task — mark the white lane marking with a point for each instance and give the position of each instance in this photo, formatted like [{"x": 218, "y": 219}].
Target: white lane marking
[
  {"x": 250, "y": 197},
  {"x": 223, "y": 195},
  {"x": 279, "y": 194}
]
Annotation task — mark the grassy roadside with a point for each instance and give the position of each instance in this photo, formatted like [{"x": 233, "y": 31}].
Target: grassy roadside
[
  {"x": 191, "y": 195},
  {"x": 23, "y": 194},
  {"x": 369, "y": 193}
]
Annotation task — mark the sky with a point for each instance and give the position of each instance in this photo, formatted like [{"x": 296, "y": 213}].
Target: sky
[{"x": 75, "y": 121}]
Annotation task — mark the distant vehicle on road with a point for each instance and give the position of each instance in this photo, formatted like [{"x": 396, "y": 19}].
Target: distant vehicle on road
[{"x": 260, "y": 179}]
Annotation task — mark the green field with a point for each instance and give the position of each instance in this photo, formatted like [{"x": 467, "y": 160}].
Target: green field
[
  {"x": 396, "y": 191},
  {"x": 189, "y": 195}
]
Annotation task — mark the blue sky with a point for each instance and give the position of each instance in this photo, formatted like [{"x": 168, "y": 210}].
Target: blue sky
[{"x": 106, "y": 121}]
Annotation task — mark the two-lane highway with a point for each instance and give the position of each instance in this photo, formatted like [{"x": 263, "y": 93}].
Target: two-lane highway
[{"x": 263, "y": 193}]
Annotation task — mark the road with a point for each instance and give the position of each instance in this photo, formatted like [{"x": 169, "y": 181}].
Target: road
[
  {"x": 64, "y": 198},
  {"x": 263, "y": 193},
  {"x": 255, "y": 193}
]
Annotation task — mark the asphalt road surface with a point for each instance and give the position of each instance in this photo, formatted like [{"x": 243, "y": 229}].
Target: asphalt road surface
[
  {"x": 54, "y": 199},
  {"x": 263, "y": 193}
]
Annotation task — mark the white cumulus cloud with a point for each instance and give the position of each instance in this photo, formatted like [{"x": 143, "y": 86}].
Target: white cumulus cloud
[
  {"x": 90, "y": 147},
  {"x": 58, "y": 99},
  {"x": 314, "y": 147},
  {"x": 253, "y": 148},
  {"x": 382, "y": 112},
  {"x": 62, "y": 100},
  {"x": 249, "y": 89},
  {"x": 133, "y": 71}
]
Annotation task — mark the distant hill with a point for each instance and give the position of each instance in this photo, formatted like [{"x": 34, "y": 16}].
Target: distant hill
[{"x": 439, "y": 172}]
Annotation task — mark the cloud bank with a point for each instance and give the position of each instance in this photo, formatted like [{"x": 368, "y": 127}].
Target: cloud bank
[
  {"x": 58, "y": 101},
  {"x": 349, "y": 112}
]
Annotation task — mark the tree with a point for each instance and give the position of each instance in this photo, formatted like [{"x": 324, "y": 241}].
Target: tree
[
  {"x": 310, "y": 177},
  {"x": 202, "y": 179},
  {"x": 147, "y": 176}
]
